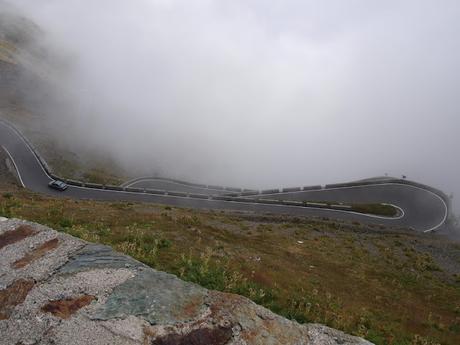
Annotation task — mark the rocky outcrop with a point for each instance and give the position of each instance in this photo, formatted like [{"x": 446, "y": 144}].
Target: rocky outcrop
[{"x": 56, "y": 289}]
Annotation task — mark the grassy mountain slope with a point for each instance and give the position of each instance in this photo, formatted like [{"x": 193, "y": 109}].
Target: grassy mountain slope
[{"x": 391, "y": 286}]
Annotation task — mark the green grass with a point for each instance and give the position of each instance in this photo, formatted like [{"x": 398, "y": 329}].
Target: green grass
[
  {"x": 385, "y": 288},
  {"x": 375, "y": 209}
]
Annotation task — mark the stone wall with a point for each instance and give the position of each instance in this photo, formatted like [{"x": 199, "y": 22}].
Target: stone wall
[{"x": 57, "y": 289}]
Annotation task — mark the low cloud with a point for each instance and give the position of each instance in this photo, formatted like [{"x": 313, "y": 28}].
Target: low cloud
[{"x": 261, "y": 93}]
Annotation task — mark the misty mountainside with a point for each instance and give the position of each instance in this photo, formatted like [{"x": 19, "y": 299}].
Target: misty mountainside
[
  {"x": 14, "y": 33},
  {"x": 31, "y": 71},
  {"x": 29, "y": 66},
  {"x": 16, "y": 57},
  {"x": 16, "y": 29},
  {"x": 236, "y": 94}
]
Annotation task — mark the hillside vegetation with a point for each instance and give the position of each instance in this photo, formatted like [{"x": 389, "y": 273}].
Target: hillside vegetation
[
  {"x": 30, "y": 73},
  {"x": 390, "y": 286}
]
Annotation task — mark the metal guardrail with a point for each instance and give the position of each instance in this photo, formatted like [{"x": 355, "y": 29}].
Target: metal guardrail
[
  {"x": 134, "y": 190},
  {"x": 222, "y": 197},
  {"x": 233, "y": 197},
  {"x": 93, "y": 185},
  {"x": 232, "y": 189},
  {"x": 438, "y": 192},
  {"x": 73, "y": 182},
  {"x": 185, "y": 183},
  {"x": 291, "y": 189},
  {"x": 155, "y": 191},
  {"x": 32, "y": 147},
  {"x": 307, "y": 188},
  {"x": 198, "y": 196},
  {"x": 270, "y": 191},
  {"x": 215, "y": 187},
  {"x": 174, "y": 193},
  {"x": 249, "y": 193},
  {"x": 116, "y": 188},
  {"x": 242, "y": 199}
]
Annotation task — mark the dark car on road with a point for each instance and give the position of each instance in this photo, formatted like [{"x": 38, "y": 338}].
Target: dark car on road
[{"x": 58, "y": 185}]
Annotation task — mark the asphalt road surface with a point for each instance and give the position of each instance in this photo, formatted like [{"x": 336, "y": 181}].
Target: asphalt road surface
[{"x": 422, "y": 209}]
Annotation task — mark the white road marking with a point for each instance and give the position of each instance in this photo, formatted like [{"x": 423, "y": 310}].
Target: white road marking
[
  {"x": 15, "y": 166},
  {"x": 343, "y": 206},
  {"x": 287, "y": 206},
  {"x": 329, "y": 189},
  {"x": 402, "y": 214},
  {"x": 143, "y": 179},
  {"x": 446, "y": 214},
  {"x": 446, "y": 208},
  {"x": 251, "y": 203},
  {"x": 16, "y": 131}
]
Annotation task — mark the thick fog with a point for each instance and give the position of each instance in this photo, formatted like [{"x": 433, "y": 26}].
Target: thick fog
[{"x": 262, "y": 93}]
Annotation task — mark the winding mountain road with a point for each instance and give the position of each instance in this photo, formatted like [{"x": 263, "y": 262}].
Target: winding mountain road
[{"x": 421, "y": 208}]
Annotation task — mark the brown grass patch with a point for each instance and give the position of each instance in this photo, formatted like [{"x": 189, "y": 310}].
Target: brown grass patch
[{"x": 361, "y": 279}]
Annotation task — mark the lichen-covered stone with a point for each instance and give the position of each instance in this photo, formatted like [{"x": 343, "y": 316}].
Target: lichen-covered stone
[
  {"x": 79, "y": 293},
  {"x": 97, "y": 256},
  {"x": 157, "y": 297}
]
